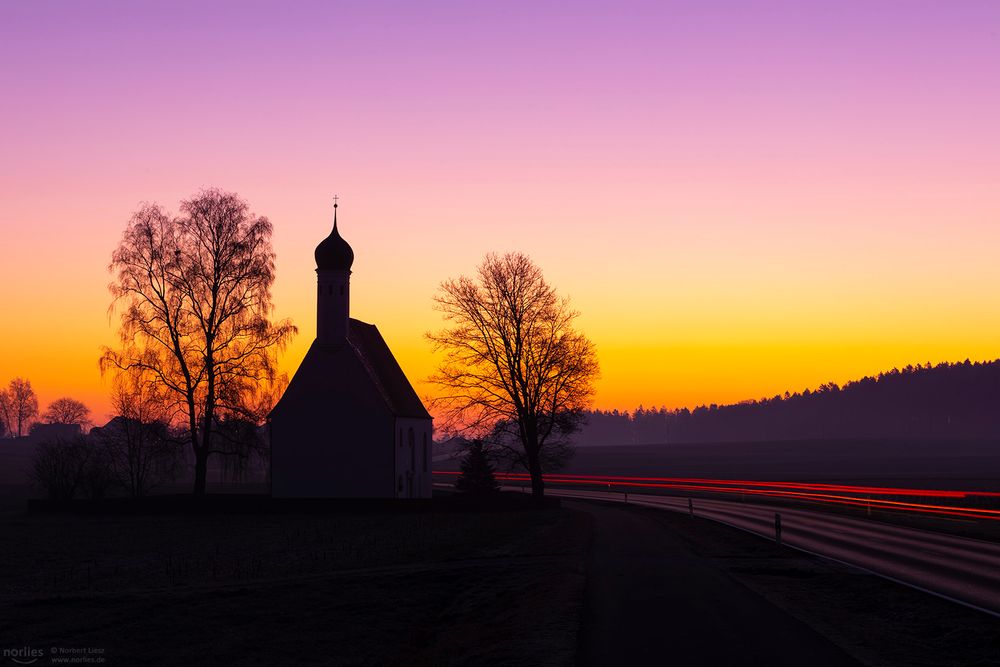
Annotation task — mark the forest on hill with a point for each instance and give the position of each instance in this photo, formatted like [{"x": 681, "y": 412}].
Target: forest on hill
[{"x": 949, "y": 400}]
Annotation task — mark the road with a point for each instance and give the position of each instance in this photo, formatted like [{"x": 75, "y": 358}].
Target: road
[
  {"x": 651, "y": 599},
  {"x": 960, "y": 569}
]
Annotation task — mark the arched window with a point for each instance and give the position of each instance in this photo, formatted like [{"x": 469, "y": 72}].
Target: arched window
[{"x": 425, "y": 452}]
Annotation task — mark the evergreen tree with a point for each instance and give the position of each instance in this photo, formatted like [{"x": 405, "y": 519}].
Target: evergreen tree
[{"x": 477, "y": 472}]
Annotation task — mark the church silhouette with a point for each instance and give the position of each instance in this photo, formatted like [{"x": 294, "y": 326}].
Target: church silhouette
[{"x": 349, "y": 425}]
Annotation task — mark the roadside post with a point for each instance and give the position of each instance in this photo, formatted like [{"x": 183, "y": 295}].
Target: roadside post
[
  {"x": 690, "y": 506},
  {"x": 777, "y": 529}
]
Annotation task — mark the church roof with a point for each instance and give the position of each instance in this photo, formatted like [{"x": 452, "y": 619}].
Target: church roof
[
  {"x": 334, "y": 371},
  {"x": 385, "y": 371}
]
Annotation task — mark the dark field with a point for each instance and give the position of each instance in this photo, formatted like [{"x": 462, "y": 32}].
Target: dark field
[
  {"x": 934, "y": 464},
  {"x": 454, "y": 588},
  {"x": 476, "y": 588},
  {"x": 497, "y": 588}
]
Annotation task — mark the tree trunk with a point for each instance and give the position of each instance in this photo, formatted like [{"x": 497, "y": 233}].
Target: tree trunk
[
  {"x": 201, "y": 458},
  {"x": 535, "y": 471},
  {"x": 200, "y": 471},
  {"x": 537, "y": 483},
  {"x": 529, "y": 438}
]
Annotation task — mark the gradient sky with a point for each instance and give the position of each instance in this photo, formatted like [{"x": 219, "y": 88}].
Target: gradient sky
[{"x": 740, "y": 197}]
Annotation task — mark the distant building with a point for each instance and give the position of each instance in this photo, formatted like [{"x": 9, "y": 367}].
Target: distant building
[
  {"x": 42, "y": 432},
  {"x": 349, "y": 425}
]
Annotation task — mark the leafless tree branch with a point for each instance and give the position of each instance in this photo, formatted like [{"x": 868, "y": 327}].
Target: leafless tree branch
[
  {"x": 515, "y": 371},
  {"x": 194, "y": 297}
]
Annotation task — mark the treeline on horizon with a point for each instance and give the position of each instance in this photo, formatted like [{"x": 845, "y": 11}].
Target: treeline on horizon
[{"x": 954, "y": 400}]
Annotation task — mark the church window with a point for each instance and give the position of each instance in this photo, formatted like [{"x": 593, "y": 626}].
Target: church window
[
  {"x": 425, "y": 452},
  {"x": 413, "y": 451}
]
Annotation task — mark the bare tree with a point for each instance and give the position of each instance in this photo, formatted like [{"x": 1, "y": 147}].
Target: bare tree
[
  {"x": 6, "y": 414},
  {"x": 138, "y": 442},
  {"x": 18, "y": 406},
  {"x": 67, "y": 411},
  {"x": 515, "y": 369},
  {"x": 194, "y": 293}
]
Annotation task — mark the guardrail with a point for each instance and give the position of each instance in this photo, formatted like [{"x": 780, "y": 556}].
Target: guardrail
[{"x": 937, "y": 502}]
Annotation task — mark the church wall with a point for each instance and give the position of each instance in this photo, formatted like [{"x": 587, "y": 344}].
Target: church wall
[
  {"x": 333, "y": 435},
  {"x": 413, "y": 461}
]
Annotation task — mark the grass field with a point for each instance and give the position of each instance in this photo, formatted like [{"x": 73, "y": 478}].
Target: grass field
[{"x": 475, "y": 588}]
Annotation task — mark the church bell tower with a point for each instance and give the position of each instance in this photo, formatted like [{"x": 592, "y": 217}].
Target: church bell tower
[{"x": 334, "y": 258}]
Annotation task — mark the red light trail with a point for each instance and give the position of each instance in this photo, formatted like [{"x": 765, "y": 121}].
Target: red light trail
[{"x": 874, "y": 497}]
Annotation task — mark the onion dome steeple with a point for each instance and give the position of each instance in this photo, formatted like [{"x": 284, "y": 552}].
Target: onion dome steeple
[
  {"x": 334, "y": 258},
  {"x": 334, "y": 253}
]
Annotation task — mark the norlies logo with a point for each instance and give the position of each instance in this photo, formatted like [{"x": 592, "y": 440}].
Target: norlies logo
[{"x": 24, "y": 655}]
